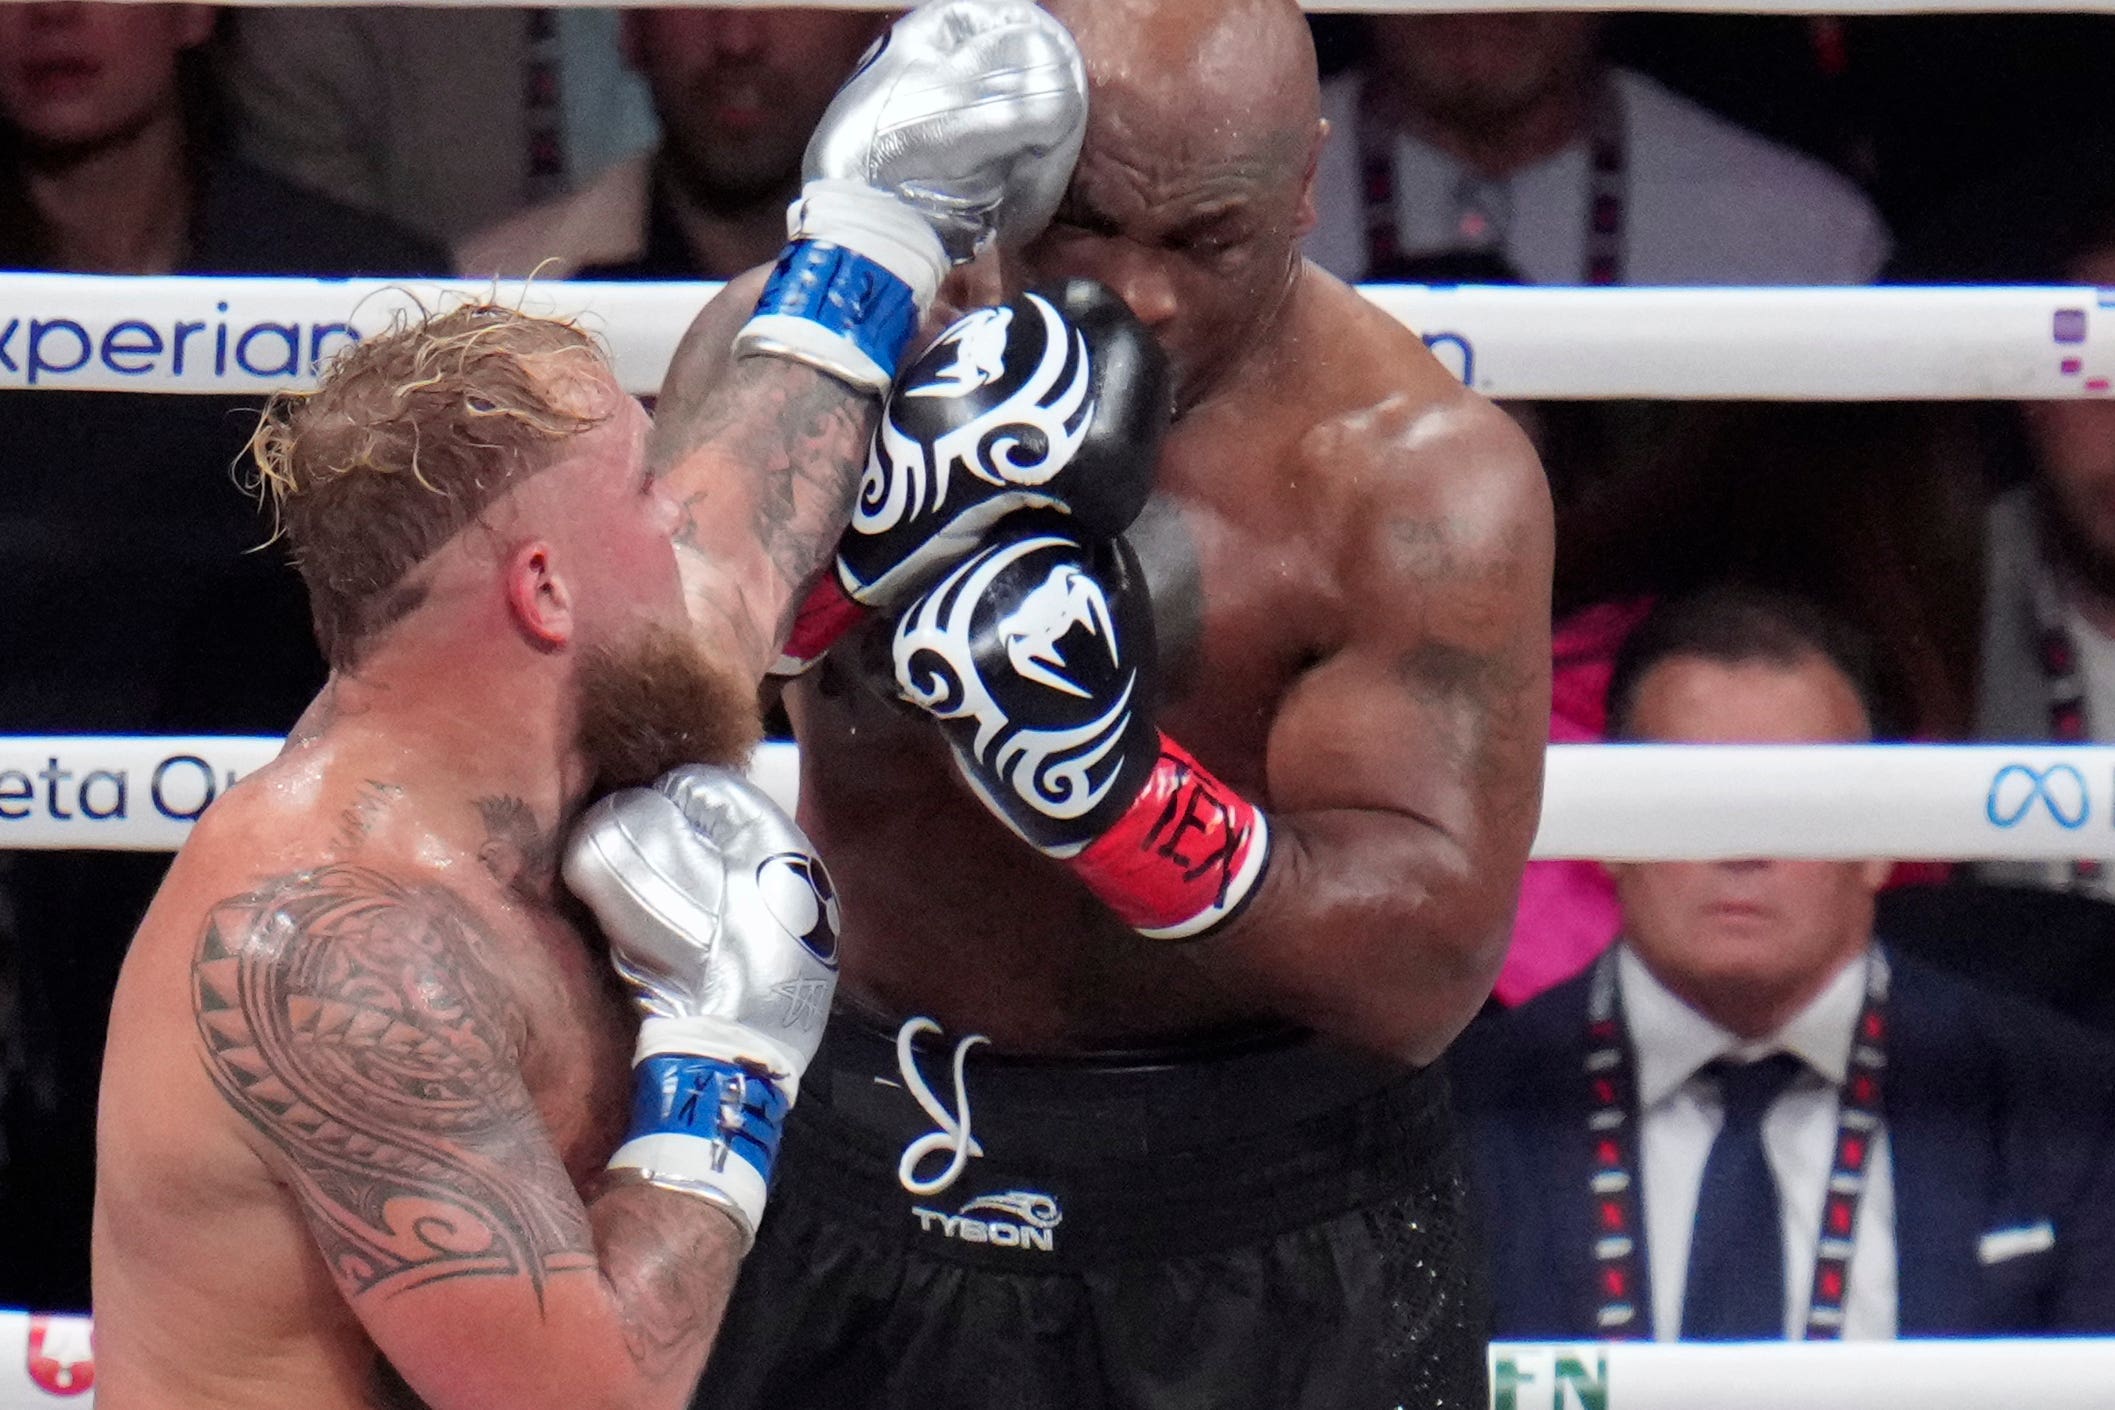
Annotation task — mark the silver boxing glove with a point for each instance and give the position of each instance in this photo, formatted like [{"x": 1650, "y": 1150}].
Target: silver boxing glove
[
  {"x": 960, "y": 126},
  {"x": 721, "y": 919},
  {"x": 971, "y": 112}
]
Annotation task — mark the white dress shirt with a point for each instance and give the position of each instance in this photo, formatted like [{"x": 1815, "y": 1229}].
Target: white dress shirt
[
  {"x": 1680, "y": 1117},
  {"x": 2096, "y": 673},
  {"x": 1705, "y": 202}
]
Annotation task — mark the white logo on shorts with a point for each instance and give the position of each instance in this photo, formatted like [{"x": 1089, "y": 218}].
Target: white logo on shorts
[
  {"x": 1014, "y": 1219},
  {"x": 952, "y": 1139}
]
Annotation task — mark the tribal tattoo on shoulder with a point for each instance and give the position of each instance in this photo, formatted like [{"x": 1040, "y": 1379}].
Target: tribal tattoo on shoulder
[{"x": 350, "y": 1019}]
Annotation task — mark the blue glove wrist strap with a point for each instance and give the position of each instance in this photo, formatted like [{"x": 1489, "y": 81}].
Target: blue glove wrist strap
[
  {"x": 847, "y": 294},
  {"x": 679, "y": 1094}
]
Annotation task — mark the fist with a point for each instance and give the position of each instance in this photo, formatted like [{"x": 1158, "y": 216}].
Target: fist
[
  {"x": 1056, "y": 401},
  {"x": 717, "y": 910},
  {"x": 971, "y": 112}
]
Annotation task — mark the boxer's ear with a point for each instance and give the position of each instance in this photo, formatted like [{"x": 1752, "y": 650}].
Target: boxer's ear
[
  {"x": 538, "y": 598},
  {"x": 1306, "y": 217}
]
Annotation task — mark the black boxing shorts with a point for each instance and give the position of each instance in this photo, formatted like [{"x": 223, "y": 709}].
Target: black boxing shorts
[{"x": 1276, "y": 1226}]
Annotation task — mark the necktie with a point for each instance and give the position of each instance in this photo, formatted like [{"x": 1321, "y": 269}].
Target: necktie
[
  {"x": 1735, "y": 1289},
  {"x": 1483, "y": 212}
]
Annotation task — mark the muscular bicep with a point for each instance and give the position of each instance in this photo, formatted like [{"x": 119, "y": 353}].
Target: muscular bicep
[
  {"x": 1436, "y": 706},
  {"x": 1404, "y": 767},
  {"x": 354, "y": 1023}
]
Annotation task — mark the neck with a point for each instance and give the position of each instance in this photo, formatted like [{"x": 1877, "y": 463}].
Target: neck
[
  {"x": 123, "y": 207},
  {"x": 722, "y": 242},
  {"x": 1498, "y": 146},
  {"x": 1748, "y": 1011},
  {"x": 465, "y": 717},
  {"x": 1260, "y": 346}
]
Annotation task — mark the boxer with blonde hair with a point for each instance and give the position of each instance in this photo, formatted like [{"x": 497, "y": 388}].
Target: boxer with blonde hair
[{"x": 366, "y": 1132}]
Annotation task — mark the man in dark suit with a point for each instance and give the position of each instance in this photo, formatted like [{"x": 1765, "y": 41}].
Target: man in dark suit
[{"x": 1751, "y": 1119}]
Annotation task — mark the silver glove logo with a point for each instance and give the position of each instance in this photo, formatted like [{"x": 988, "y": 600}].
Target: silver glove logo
[
  {"x": 1062, "y": 773},
  {"x": 1020, "y": 444},
  {"x": 797, "y": 892}
]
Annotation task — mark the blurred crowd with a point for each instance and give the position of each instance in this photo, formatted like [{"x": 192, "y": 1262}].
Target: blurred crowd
[{"x": 1798, "y": 573}]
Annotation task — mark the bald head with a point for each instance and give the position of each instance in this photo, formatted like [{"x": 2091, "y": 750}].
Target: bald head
[
  {"x": 1194, "y": 186},
  {"x": 1234, "y": 67}
]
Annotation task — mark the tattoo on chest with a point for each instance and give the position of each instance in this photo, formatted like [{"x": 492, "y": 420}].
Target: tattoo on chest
[
  {"x": 357, "y": 823},
  {"x": 354, "y": 1022}
]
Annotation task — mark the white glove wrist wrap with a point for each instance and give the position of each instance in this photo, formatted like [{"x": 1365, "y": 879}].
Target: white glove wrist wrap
[{"x": 874, "y": 224}]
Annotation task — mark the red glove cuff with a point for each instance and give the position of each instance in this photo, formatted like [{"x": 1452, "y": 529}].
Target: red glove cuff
[
  {"x": 1184, "y": 858},
  {"x": 826, "y": 614}
]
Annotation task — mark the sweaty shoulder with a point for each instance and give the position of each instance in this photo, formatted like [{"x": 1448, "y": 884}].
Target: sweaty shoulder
[
  {"x": 312, "y": 807},
  {"x": 1391, "y": 429}
]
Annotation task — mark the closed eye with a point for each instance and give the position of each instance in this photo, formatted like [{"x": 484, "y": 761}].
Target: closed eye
[{"x": 1081, "y": 216}]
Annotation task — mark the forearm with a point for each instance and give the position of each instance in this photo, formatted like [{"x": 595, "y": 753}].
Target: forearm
[
  {"x": 1369, "y": 926},
  {"x": 764, "y": 460},
  {"x": 627, "y": 1330},
  {"x": 625, "y": 1324},
  {"x": 668, "y": 1262}
]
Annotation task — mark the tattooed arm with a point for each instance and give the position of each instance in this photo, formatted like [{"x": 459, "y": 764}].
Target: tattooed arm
[
  {"x": 1404, "y": 770},
  {"x": 353, "y": 1022},
  {"x": 763, "y": 454}
]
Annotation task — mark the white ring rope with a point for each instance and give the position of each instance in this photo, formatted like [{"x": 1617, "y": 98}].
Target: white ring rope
[
  {"x": 45, "y": 1358},
  {"x": 229, "y": 335},
  {"x": 1614, "y": 802}
]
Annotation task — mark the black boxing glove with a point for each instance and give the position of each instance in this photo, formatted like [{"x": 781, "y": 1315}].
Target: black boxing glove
[
  {"x": 1036, "y": 656},
  {"x": 1057, "y": 400}
]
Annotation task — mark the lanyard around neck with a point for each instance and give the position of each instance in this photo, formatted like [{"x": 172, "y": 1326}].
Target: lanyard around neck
[{"x": 1613, "y": 1187}]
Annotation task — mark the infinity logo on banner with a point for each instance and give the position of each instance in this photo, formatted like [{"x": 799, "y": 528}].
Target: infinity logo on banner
[{"x": 2017, "y": 789}]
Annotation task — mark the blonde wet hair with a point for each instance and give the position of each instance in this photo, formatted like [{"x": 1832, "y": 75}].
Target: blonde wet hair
[{"x": 405, "y": 440}]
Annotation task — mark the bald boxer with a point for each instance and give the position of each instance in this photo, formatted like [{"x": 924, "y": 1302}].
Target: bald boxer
[
  {"x": 366, "y": 1134},
  {"x": 1147, "y": 946}
]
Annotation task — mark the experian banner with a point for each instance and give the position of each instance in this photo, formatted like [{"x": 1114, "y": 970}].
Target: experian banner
[
  {"x": 215, "y": 335},
  {"x": 249, "y": 336}
]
